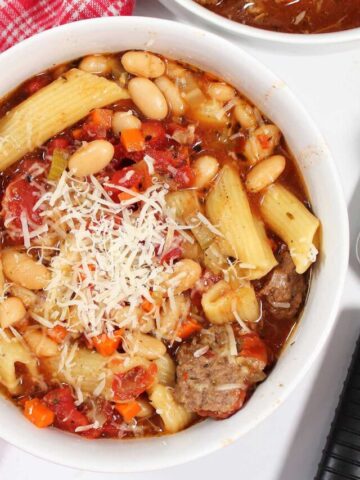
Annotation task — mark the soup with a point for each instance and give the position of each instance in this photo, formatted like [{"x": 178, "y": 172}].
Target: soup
[
  {"x": 157, "y": 241},
  {"x": 300, "y": 16}
]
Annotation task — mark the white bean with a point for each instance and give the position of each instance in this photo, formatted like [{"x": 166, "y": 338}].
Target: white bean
[
  {"x": 28, "y": 298},
  {"x": 244, "y": 114},
  {"x": 172, "y": 95},
  {"x": 98, "y": 64},
  {"x": 148, "y": 98},
  {"x": 124, "y": 121},
  {"x": 265, "y": 173},
  {"x": 262, "y": 143},
  {"x": 186, "y": 274},
  {"x": 205, "y": 169},
  {"x": 23, "y": 270},
  {"x": 220, "y": 91},
  {"x": 12, "y": 311},
  {"x": 91, "y": 158},
  {"x": 143, "y": 64}
]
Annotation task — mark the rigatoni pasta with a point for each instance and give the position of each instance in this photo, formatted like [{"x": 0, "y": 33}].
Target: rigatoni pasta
[
  {"x": 154, "y": 224},
  {"x": 293, "y": 222},
  {"x": 227, "y": 206},
  {"x": 51, "y": 111}
]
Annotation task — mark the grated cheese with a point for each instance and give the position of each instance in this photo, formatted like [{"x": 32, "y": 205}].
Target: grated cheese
[
  {"x": 25, "y": 229},
  {"x": 109, "y": 253},
  {"x": 201, "y": 351},
  {"x": 232, "y": 342},
  {"x": 229, "y": 386},
  {"x": 150, "y": 163},
  {"x": 209, "y": 225},
  {"x": 240, "y": 321}
]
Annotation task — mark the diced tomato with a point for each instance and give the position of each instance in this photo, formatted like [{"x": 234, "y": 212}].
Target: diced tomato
[
  {"x": 34, "y": 84},
  {"x": 184, "y": 177},
  {"x": 120, "y": 153},
  {"x": 20, "y": 196},
  {"x": 127, "y": 177},
  {"x": 140, "y": 179},
  {"x": 134, "y": 382},
  {"x": 173, "y": 127},
  {"x": 60, "y": 143},
  {"x": 163, "y": 159},
  {"x": 252, "y": 346},
  {"x": 154, "y": 133},
  {"x": 171, "y": 255},
  {"x": 67, "y": 416}
]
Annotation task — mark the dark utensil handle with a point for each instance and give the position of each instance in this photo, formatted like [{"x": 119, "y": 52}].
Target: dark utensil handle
[{"x": 341, "y": 456}]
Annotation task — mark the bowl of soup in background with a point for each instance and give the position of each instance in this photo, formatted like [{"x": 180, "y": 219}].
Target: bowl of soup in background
[
  {"x": 193, "y": 11},
  {"x": 275, "y": 100}
]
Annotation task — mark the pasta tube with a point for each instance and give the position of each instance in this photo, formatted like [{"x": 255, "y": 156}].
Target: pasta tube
[
  {"x": 52, "y": 109},
  {"x": 228, "y": 208},
  {"x": 288, "y": 217},
  {"x": 174, "y": 415},
  {"x": 13, "y": 351},
  {"x": 221, "y": 303}
]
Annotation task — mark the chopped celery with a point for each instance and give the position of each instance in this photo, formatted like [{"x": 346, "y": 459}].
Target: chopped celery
[{"x": 59, "y": 163}]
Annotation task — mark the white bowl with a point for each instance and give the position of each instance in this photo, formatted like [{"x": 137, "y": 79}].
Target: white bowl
[
  {"x": 191, "y": 10},
  {"x": 273, "y": 97}
]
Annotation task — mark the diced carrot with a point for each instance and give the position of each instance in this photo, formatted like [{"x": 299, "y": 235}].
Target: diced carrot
[
  {"x": 38, "y": 413},
  {"x": 188, "y": 327},
  {"x": 133, "y": 139},
  {"x": 264, "y": 141},
  {"x": 147, "y": 306},
  {"x": 77, "y": 133},
  {"x": 101, "y": 116},
  {"x": 126, "y": 195},
  {"x": 106, "y": 345},
  {"x": 57, "y": 333},
  {"x": 128, "y": 410}
]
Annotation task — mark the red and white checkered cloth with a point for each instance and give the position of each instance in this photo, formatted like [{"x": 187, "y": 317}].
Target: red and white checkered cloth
[{"x": 20, "y": 19}]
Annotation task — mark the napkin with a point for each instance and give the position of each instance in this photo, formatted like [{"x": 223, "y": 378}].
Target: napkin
[{"x": 20, "y": 19}]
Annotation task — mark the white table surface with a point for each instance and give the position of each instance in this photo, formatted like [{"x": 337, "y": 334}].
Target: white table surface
[{"x": 288, "y": 445}]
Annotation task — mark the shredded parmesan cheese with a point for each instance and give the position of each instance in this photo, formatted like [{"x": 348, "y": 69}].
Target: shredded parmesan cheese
[
  {"x": 109, "y": 258},
  {"x": 232, "y": 341}
]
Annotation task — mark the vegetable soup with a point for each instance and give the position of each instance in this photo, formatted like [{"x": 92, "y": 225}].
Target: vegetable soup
[{"x": 156, "y": 246}]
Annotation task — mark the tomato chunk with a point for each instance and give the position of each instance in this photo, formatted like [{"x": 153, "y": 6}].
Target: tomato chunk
[
  {"x": 67, "y": 416},
  {"x": 252, "y": 346},
  {"x": 154, "y": 133},
  {"x": 20, "y": 196},
  {"x": 184, "y": 177},
  {"x": 134, "y": 382}
]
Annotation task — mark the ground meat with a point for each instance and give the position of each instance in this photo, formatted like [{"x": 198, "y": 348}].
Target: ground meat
[
  {"x": 215, "y": 384},
  {"x": 284, "y": 290}
]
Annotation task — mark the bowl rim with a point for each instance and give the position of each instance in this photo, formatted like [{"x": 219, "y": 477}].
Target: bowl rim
[
  {"x": 152, "y": 24},
  {"x": 343, "y": 36}
]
